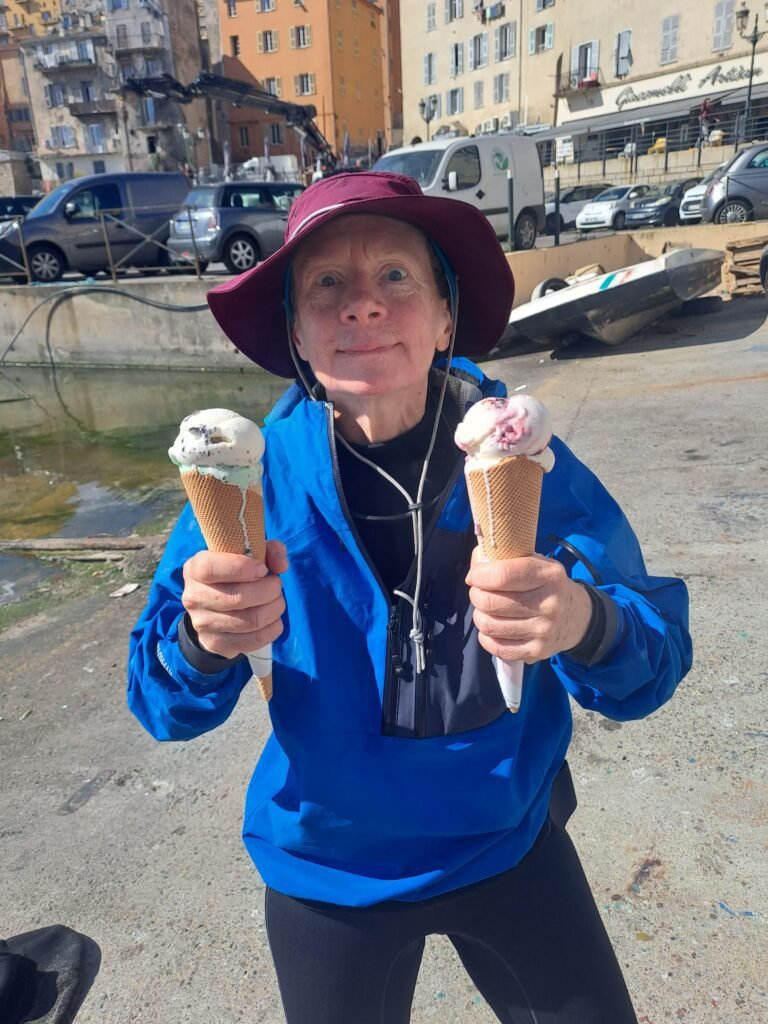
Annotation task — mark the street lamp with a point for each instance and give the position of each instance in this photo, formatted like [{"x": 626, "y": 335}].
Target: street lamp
[
  {"x": 428, "y": 109},
  {"x": 754, "y": 37}
]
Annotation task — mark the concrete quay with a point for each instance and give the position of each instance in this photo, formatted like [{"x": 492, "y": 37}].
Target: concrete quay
[{"x": 137, "y": 843}]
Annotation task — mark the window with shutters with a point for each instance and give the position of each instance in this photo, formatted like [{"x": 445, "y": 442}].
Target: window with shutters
[
  {"x": 431, "y": 17},
  {"x": 243, "y": 136},
  {"x": 304, "y": 85},
  {"x": 301, "y": 37},
  {"x": 454, "y": 9},
  {"x": 670, "y": 33},
  {"x": 454, "y": 101},
  {"x": 541, "y": 4},
  {"x": 541, "y": 38},
  {"x": 267, "y": 41},
  {"x": 265, "y": 6},
  {"x": 231, "y": 8},
  {"x": 234, "y": 46},
  {"x": 623, "y": 53},
  {"x": 430, "y": 69},
  {"x": 122, "y": 37},
  {"x": 342, "y": 85},
  {"x": 355, "y": 46},
  {"x": 55, "y": 95},
  {"x": 478, "y": 91},
  {"x": 97, "y": 140},
  {"x": 722, "y": 30},
  {"x": 456, "y": 59},
  {"x": 276, "y": 133},
  {"x": 273, "y": 86},
  {"x": 505, "y": 41},
  {"x": 584, "y": 64},
  {"x": 477, "y": 51},
  {"x": 501, "y": 88},
  {"x": 436, "y": 102}
]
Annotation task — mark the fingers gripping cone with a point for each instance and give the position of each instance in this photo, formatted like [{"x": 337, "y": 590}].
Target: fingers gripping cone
[
  {"x": 505, "y": 502},
  {"x": 507, "y": 455},
  {"x": 218, "y": 453},
  {"x": 231, "y": 519}
]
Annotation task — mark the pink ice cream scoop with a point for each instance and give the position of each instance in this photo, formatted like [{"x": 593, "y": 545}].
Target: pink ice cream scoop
[{"x": 496, "y": 428}]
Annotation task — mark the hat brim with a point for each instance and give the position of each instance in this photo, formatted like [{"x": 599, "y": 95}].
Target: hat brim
[{"x": 249, "y": 307}]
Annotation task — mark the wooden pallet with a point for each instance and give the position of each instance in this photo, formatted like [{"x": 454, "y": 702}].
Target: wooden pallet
[{"x": 741, "y": 268}]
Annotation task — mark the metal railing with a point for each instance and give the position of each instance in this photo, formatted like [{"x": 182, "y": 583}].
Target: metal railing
[{"x": 113, "y": 264}]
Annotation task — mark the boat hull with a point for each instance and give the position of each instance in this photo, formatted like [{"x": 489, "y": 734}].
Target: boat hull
[{"x": 617, "y": 305}]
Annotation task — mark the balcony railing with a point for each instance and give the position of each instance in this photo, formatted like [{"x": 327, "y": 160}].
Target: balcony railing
[
  {"x": 55, "y": 63},
  {"x": 580, "y": 80},
  {"x": 84, "y": 108}
]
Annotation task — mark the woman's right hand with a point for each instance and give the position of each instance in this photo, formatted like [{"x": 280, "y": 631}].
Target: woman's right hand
[{"x": 234, "y": 602}]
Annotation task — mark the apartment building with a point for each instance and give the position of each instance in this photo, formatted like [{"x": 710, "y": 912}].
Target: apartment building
[
  {"x": 328, "y": 56},
  {"x": 75, "y": 74},
  {"x": 480, "y": 68}
]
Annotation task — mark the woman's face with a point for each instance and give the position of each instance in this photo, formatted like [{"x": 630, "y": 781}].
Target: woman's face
[{"x": 368, "y": 314}]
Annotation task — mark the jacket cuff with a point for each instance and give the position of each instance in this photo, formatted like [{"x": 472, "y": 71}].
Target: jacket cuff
[
  {"x": 200, "y": 659},
  {"x": 601, "y": 631}
]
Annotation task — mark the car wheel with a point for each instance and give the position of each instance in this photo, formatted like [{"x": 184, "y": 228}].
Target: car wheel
[
  {"x": 734, "y": 211},
  {"x": 670, "y": 219},
  {"x": 46, "y": 263},
  {"x": 525, "y": 231},
  {"x": 240, "y": 254},
  {"x": 619, "y": 221}
]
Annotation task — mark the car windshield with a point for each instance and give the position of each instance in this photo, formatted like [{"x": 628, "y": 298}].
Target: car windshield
[
  {"x": 51, "y": 200},
  {"x": 610, "y": 195},
  {"x": 420, "y": 164},
  {"x": 201, "y": 198}
]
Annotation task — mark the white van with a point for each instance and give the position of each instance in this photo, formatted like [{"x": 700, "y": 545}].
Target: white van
[{"x": 474, "y": 169}]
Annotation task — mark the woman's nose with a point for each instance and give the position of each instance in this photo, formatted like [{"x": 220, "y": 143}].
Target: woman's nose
[{"x": 362, "y": 302}]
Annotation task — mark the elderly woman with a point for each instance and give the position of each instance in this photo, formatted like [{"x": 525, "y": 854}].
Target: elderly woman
[{"x": 396, "y": 797}]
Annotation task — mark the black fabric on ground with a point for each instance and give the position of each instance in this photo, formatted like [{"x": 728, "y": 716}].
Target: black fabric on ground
[{"x": 45, "y": 975}]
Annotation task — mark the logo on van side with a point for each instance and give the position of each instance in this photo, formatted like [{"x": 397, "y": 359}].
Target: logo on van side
[{"x": 500, "y": 160}]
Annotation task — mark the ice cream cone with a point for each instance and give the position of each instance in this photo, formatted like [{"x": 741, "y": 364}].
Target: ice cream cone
[
  {"x": 231, "y": 519},
  {"x": 505, "y": 501}
]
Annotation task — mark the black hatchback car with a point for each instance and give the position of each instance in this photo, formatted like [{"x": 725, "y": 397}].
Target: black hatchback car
[
  {"x": 660, "y": 206},
  {"x": 237, "y": 222}
]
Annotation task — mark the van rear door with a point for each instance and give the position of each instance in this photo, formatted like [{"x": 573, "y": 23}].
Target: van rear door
[{"x": 481, "y": 179}]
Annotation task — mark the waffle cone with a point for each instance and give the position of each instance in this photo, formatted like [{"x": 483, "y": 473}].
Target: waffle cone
[
  {"x": 505, "y": 505},
  {"x": 231, "y": 522},
  {"x": 219, "y": 510}
]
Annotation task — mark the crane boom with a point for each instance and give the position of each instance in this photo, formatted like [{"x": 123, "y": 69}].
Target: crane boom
[{"x": 242, "y": 94}]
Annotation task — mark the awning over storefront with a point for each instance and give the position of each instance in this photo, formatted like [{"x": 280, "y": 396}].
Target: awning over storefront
[
  {"x": 624, "y": 118},
  {"x": 739, "y": 96}
]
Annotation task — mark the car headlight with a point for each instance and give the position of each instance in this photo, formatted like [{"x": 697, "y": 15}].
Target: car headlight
[{"x": 658, "y": 202}]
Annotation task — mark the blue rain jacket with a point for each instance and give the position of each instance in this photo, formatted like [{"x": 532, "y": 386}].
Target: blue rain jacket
[{"x": 378, "y": 783}]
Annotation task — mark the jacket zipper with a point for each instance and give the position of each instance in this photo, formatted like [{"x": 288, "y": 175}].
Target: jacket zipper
[{"x": 389, "y": 702}]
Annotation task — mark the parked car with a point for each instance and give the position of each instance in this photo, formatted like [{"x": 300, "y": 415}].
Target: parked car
[
  {"x": 660, "y": 205},
  {"x": 609, "y": 209},
  {"x": 474, "y": 170},
  {"x": 739, "y": 191},
  {"x": 237, "y": 222},
  {"x": 690, "y": 207},
  {"x": 572, "y": 200},
  {"x": 66, "y": 229},
  {"x": 13, "y": 207}
]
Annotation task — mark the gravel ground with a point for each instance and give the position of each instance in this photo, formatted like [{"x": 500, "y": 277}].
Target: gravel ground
[{"x": 137, "y": 843}]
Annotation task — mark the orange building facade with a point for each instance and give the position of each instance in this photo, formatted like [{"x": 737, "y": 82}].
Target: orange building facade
[{"x": 327, "y": 54}]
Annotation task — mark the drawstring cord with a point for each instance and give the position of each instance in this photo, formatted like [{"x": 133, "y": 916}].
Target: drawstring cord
[{"x": 415, "y": 508}]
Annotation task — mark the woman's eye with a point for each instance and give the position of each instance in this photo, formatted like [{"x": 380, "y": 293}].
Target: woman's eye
[
  {"x": 326, "y": 281},
  {"x": 396, "y": 274}
]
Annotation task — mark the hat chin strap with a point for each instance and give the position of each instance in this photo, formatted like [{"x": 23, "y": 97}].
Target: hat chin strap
[{"x": 415, "y": 507}]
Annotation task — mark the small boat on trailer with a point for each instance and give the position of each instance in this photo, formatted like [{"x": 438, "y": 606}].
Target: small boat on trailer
[{"x": 612, "y": 307}]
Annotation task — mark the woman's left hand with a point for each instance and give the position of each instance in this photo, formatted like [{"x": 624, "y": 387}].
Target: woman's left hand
[{"x": 527, "y": 609}]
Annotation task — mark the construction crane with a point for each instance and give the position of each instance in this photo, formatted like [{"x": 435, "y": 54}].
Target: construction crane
[{"x": 210, "y": 86}]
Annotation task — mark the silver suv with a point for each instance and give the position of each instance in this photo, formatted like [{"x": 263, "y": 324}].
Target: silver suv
[
  {"x": 739, "y": 190},
  {"x": 238, "y": 223}
]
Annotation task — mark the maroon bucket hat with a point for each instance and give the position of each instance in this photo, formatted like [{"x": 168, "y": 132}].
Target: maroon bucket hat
[{"x": 249, "y": 308}]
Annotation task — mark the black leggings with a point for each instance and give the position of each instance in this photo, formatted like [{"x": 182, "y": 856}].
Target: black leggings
[{"x": 531, "y": 939}]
